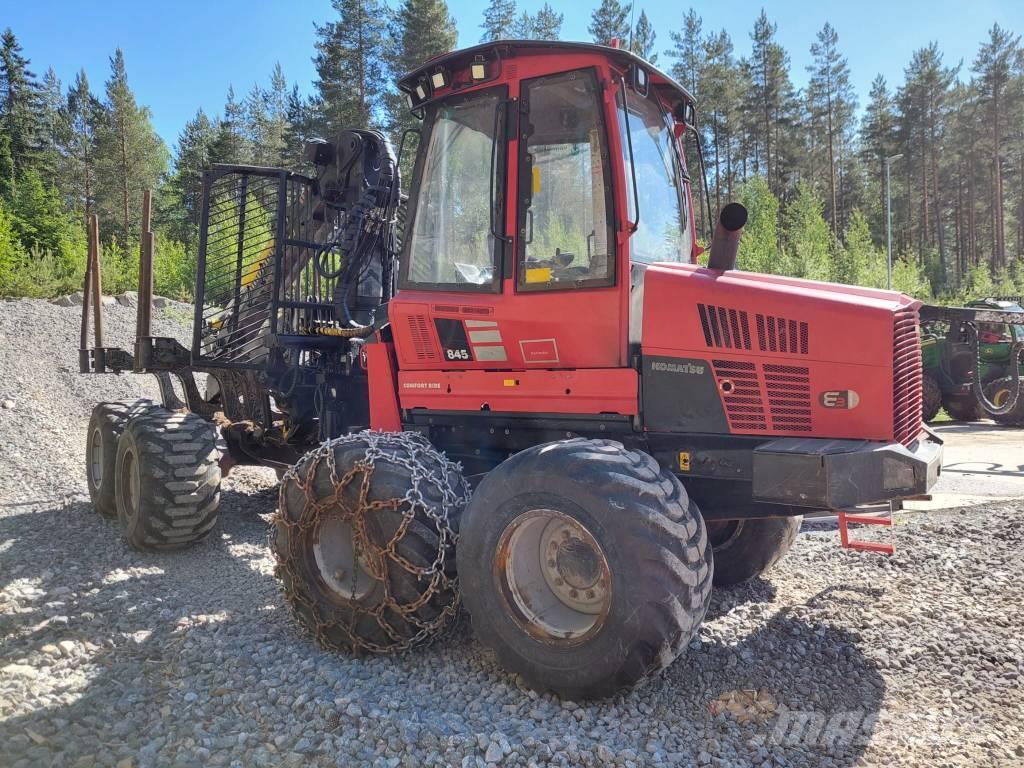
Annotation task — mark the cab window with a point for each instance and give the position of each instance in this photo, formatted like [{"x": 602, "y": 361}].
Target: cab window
[
  {"x": 565, "y": 238},
  {"x": 663, "y": 232},
  {"x": 450, "y": 244}
]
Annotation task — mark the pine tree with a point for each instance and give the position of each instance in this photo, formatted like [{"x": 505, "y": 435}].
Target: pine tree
[
  {"x": 53, "y": 128},
  {"x": 687, "y": 50},
  {"x": 994, "y": 66},
  {"x": 923, "y": 106},
  {"x": 20, "y": 112},
  {"x": 300, "y": 114},
  {"x": 610, "y": 20},
  {"x": 877, "y": 141},
  {"x": 192, "y": 156},
  {"x": 522, "y": 28},
  {"x": 719, "y": 86},
  {"x": 643, "y": 39},
  {"x": 831, "y": 100},
  {"x": 499, "y": 20},
  {"x": 130, "y": 157},
  {"x": 773, "y": 93},
  {"x": 231, "y": 144},
  {"x": 83, "y": 113},
  {"x": 350, "y": 65},
  {"x": 420, "y": 30},
  {"x": 267, "y": 120},
  {"x": 350, "y": 78},
  {"x": 547, "y": 24}
]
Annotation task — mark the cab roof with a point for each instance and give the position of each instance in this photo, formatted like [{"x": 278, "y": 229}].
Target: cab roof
[{"x": 506, "y": 49}]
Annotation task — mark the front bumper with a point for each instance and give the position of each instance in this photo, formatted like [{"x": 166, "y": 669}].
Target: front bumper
[{"x": 838, "y": 474}]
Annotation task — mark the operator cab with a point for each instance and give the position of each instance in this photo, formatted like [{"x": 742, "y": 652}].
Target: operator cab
[{"x": 525, "y": 187}]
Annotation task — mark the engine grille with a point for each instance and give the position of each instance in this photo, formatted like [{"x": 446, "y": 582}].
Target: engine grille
[
  {"x": 906, "y": 377},
  {"x": 789, "y": 397},
  {"x": 422, "y": 341},
  {"x": 759, "y": 397}
]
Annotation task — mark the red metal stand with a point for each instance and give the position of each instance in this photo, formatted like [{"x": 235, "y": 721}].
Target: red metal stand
[{"x": 867, "y": 546}]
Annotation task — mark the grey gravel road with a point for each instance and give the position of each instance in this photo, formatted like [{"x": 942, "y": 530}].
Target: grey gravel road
[{"x": 110, "y": 657}]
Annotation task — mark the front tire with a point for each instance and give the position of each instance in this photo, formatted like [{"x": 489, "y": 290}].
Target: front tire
[
  {"x": 1001, "y": 391},
  {"x": 365, "y": 541},
  {"x": 931, "y": 398},
  {"x": 584, "y": 566},
  {"x": 105, "y": 427},
  {"x": 747, "y": 548},
  {"x": 964, "y": 408},
  {"x": 167, "y": 481}
]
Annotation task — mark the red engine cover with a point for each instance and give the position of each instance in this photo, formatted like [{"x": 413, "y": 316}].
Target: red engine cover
[{"x": 792, "y": 357}]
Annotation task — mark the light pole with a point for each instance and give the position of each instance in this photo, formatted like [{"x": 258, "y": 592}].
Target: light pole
[{"x": 888, "y": 217}]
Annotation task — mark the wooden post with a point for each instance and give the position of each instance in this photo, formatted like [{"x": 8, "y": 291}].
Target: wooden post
[
  {"x": 146, "y": 287},
  {"x": 144, "y": 312},
  {"x": 97, "y": 278},
  {"x": 83, "y": 343}
]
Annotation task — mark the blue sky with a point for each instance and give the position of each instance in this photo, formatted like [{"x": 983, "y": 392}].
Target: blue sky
[{"x": 183, "y": 54}]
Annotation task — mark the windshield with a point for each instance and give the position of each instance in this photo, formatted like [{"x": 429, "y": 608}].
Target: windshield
[
  {"x": 450, "y": 239},
  {"x": 663, "y": 233}
]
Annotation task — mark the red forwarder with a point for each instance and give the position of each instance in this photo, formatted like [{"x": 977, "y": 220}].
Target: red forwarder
[{"x": 634, "y": 426}]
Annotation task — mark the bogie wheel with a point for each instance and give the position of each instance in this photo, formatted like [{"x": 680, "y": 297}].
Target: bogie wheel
[
  {"x": 931, "y": 398},
  {"x": 964, "y": 408},
  {"x": 105, "y": 427},
  {"x": 747, "y": 548},
  {"x": 167, "y": 479},
  {"x": 999, "y": 393},
  {"x": 584, "y": 566},
  {"x": 365, "y": 540}
]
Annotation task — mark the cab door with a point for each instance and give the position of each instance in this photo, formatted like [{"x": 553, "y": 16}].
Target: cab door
[{"x": 563, "y": 305}]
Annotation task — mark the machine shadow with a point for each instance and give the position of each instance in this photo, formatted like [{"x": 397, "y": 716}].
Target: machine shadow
[
  {"x": 81, "y": 605},
  {"x": 821, "y": 710}
]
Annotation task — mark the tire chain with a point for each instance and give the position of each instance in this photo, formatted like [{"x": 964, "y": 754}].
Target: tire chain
[{"x": 404, "y": 449}]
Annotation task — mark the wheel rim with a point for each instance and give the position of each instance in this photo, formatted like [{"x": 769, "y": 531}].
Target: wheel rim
[
  {"x": 554, "y": 577},
  {"x": 722, "y": 533},
  {"x": 96, "y": 457},
  {"x": 341, "y": 569},
  {"x": 132, "y": 484},
  {"x": 1000, "y": 398}
]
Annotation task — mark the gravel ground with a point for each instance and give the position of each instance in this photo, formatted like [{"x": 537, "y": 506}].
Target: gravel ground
[{"x": 111, "y": 657}]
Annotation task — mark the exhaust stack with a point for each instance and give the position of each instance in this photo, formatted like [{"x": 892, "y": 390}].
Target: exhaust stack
[{"x": 726, "y": 240}]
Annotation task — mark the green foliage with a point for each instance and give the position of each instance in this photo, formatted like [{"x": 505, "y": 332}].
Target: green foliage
[
  {"x": 350, "y": 65},
  {"x": 908, "y": 277},
  {"x": 759, "y": 246},
  {"x": 808, "y": 241},
  {"x": 130, "y": 157},
  {"x": 858, "y": 261},
  {"x": 499, "y": 20},
  {"x": 610, "y": 20},
  {"x": 643, "y": 39}
]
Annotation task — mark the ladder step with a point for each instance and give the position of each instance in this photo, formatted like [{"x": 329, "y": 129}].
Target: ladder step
[
  {"x": 864, "y": 520},
  {"x": 871, "y": 546}
]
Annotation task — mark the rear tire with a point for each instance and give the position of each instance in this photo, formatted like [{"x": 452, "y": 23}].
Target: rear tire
[
  {"x": 931, "y": 398},
  {"x": 747, "y": 548},
  {"x": 167, "y": 481},
  {"x": 965, "y": 408},
  {"x": 1001, "y": 390},
  {"x": 377, "y": 573},
  {"x": 584, "y": 567},
  {"x": 105, "y": 427}
]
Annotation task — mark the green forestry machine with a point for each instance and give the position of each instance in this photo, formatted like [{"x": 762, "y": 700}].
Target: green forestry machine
[{"x": 970, "y": 362}]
